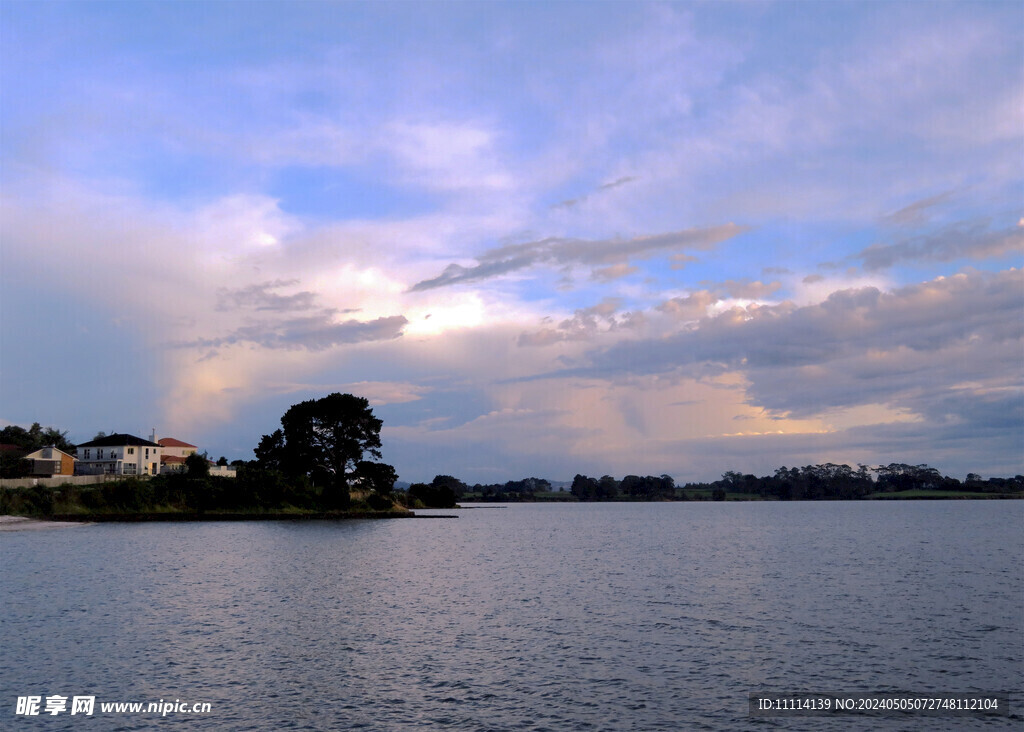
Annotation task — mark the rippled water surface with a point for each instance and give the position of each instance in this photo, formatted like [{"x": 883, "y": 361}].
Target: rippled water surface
[{"x": 559, "y": 617}]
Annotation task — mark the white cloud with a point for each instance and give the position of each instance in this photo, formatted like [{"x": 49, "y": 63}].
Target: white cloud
[{"x": 448, "y": 156}]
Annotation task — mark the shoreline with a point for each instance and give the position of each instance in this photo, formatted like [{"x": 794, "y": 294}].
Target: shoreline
[
  {"x": 65, "y": 521},
  {"x": 28, "y": 523},
  {"x": 191, "y": 516},
  {"x": 60, "y": 520}
]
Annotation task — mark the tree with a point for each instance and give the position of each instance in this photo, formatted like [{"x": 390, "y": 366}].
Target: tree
[
  {"x": 326, "y": 440},
  {"x": 13, "y": 465},
  {"x": 607, "y": 488},
  {"x": 197, "y": 466},
  {"x": 379, "y": 477},
  {"x": 35, "y": 437},
  {"x": 438, "y": 494},
  {"x": 270, "y": 453},
  {"x": 633, "y": 485},
  {"x": 453, "y": 484},
  {"x": 584, "y": 487},
  {"x": 902, "y": 477}
]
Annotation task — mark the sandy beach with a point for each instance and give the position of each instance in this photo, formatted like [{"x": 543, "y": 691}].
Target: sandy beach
[{"x": 24, "y": 523}]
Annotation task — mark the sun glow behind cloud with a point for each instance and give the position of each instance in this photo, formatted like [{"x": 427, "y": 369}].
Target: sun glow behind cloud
[{"x": 465, "y": 311}]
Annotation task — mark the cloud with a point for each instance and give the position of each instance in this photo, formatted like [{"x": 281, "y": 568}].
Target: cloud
[
  {"x": 584, "y": 325},
  {"x": 312, "y": 333},
  {"x": 906, "y": 348},
  {"x": 618, "y": 182},
  {"x": 261, "y": 296},
  {"x": 380, "y": 393},
  {"x": 449, "y": 156},
  {"x": 557, "y": 251},
  {"x": 967, "y": 240},
  {"x": 691, "y": 307},
  {"x": 746, "y": 289},
  {"x": 679, "y": 261},
  {"x": 614, "y": 272},
  {"x": 918, "y": 212}
]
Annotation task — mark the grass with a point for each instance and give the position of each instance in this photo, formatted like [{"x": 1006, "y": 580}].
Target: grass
[{"x": 918, "y": 493}]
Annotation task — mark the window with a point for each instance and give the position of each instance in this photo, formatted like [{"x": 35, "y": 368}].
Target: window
[
  {"x": 87, "y": 453},
  {"x": 99, "y": 453},
  {"x": 131, "y": 450}
]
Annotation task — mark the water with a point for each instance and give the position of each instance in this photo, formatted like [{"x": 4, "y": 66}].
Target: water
[{"x": 534, "y": 617}]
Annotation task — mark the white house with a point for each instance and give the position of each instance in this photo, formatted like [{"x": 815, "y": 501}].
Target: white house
[{"x": 118, "y": 454}]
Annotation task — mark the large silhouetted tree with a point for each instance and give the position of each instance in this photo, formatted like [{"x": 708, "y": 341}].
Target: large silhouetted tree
[{"x": 326, "y": 439}]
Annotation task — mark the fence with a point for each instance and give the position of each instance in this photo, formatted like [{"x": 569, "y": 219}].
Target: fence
[
  {"x": 58, "y": 480},
  {"x": 216, "y": 472}
]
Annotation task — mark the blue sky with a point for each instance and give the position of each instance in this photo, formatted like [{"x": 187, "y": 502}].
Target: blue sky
[{"x": 541, "y": 238}]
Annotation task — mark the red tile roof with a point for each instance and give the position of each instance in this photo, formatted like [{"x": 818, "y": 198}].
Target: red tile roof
[{"x": 171, "y": 442}]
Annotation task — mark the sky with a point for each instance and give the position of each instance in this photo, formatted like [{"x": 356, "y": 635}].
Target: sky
[{"x": 541, "y": 238}]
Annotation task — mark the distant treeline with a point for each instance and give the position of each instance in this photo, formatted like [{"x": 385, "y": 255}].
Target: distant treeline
[
  {"x": 812, "y": 482},
  {"x": 841, "y": 482}
]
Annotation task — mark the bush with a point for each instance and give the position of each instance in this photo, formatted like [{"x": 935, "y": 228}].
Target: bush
[
  {"x": 378, "y": 502},
  {"x": 432, "y": 496},
  {"x": 35, "y": 500}
]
